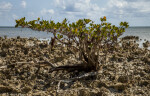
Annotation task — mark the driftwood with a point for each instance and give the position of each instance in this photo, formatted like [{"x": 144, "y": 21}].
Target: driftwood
[
  {"x": 39, "y": 62},
  {"x": 86, "y": 66},
  {"x": 78, "y": 67},
  {"x": 84, "y": 76}
]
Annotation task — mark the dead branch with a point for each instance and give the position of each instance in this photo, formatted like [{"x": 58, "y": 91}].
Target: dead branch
[
  {"x": 84, "y": 76},
  {"x": 79, "y": 67},
  {"x": 38, "y": 62}
]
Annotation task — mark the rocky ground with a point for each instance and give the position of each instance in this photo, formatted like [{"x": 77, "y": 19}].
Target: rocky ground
[{"x": 25, "y": 65}]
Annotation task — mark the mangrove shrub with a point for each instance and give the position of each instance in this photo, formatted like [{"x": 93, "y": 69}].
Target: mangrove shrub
[{"x": 83, "y": 36}]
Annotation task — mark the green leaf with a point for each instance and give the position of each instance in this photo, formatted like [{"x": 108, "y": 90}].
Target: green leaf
[
  {"x": 64, "y": 21},
  {"x": 38, "y": 19},
  {"x": 59, "y": 36},
  {"x": 87, "y": 21}
]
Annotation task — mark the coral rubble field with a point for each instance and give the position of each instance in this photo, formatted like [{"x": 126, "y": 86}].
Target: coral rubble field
[{"x": 25, "y": 65}]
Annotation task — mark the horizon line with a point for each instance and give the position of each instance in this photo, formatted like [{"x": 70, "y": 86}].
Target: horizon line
[{"x": 20, "y": 27}]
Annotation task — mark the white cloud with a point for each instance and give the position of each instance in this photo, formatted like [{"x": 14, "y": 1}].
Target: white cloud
[
  {"x": 118, "y": 3},
  {"x": 15, "y": 16},
  {"x": 117, "y": 8},
  {"x": 5, "y": 6},
  {"x": 113, "y": 9},
  {"x": 127, "y": 8},
  {"x": 23, "y": 4},
  {"x": 49, "y": 11},
  {"x": 78, "y": 8},
  {"x": 60, "y": 4},
  {"x": 142, "y": 6}
]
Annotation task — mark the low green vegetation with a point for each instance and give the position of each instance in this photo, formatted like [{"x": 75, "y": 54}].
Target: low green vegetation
[{"x": 83, "y": 36}]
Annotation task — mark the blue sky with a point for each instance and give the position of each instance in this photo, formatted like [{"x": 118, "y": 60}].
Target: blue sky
[{"x": 136, "y": 12}]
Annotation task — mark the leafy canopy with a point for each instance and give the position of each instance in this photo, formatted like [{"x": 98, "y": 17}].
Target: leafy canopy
[
  {"x": 103, "y": 31},
  {"x": 89, "y": 38}
]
